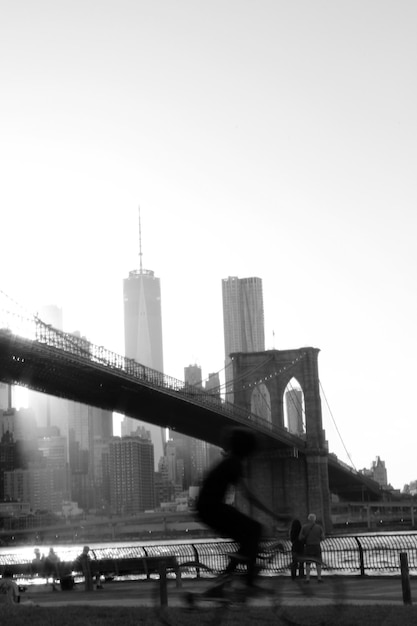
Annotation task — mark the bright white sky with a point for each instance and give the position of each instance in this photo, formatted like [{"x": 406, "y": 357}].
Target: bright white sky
[{"x": 270, "y": 138}]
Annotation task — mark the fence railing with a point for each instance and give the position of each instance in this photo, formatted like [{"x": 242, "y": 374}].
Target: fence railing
[{"x": 350, "y": 555}]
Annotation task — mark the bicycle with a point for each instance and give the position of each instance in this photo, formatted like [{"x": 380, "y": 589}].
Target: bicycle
[
  {"x": 229, "y": 588},
  {"x": 226, "y": 593}
]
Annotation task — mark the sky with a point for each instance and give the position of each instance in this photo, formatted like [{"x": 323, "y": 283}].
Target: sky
[{"x": 270, "y": 138}]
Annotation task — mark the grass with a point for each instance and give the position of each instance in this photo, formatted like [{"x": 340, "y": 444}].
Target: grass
[{"x": 385, "y": 615}]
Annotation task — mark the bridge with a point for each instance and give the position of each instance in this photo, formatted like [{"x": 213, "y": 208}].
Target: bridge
[{"x": 301, "y": 474}]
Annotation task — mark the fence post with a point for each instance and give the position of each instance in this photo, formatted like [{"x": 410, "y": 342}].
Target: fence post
[
  {"x": 361, "y": 560},
  {"x": 196, "y": 558},
  {"x": 163, "y": 590},
  {"x": 405, "y": 578}
]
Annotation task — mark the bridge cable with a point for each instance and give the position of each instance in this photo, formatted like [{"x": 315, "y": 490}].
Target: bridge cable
[{"x": 337, "y": 429}]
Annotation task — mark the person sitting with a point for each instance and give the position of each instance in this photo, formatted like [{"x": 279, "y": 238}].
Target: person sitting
[{"x": 9, "y": 589}]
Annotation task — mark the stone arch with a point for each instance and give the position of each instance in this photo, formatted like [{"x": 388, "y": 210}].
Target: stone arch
[
  {"x": 261, "y": 402},
  {"x": 300, "y": 480},
  {"x": 275, "y": 369},
  {"x": 294, "y": 408}
]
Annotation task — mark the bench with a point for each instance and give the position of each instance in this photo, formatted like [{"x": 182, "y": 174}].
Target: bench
[
  {"x": 141, "y": 565},
  {"x": 113, "y": 567}
]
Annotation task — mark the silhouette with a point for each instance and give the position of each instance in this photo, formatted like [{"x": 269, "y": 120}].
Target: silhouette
[
  {"x": 312, "y": 534},
  {"x": 51, "y": 568},
  {"x": 38, "y": 563},
  {"x": 83, "y": 564},
  {"x": 9, "y": 589},
  {"x": 297, "y": 550},
  {"x": 223, "y": 518}
]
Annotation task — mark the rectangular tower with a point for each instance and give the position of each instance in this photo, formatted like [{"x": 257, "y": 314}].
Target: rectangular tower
[
  {"x": 143, "y": 334},
  {"x": 143, "y": 318},
  {"x": 243, "y": 320},
  {"x": 132, "y": 480}
]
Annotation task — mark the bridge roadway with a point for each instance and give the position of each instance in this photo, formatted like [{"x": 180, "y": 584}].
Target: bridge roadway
[
  {"x": 65, "y": 366},
  {"x": 147, "y": 395}
]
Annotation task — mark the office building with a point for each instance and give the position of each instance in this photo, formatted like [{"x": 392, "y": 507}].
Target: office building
[
  {"x": 379, "y": 472},
  {"x": 192, "y": 456},
  {"x": 9, "y": 459},
  {"x": 212, "y": 385},
  {"x": 20, "y": 424},
  {"x": 43, "y": 487},
  {"x": 243, "y": 321},
  {"x": 143, "y": 332},
  {"x": 193, "y": 376},
  {"x": 89, "y": 429},
  {"x": 131, "y": 470},
  {"x": 50, "y": 410},
  {"x": 5, "y": 397}
]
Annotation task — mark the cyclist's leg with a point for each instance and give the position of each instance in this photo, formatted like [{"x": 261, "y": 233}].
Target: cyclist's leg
[
  {"x": 250, "y": 535},
  {"x": 226, "y": 520}
]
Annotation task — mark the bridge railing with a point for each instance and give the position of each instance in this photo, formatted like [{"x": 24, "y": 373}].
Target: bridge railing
[{"x": 73, "y": 345}]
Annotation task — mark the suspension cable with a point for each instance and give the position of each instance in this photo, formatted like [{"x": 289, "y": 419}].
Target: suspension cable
[{"x": 337, "y": 429}]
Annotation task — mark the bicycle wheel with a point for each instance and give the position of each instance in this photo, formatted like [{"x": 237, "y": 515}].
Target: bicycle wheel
[{"x": 327, "y": 590}]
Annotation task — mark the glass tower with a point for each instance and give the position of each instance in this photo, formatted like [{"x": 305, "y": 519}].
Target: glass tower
[
  {"x": 143, "y": 334},
  {"x": 243, "y": 321}
]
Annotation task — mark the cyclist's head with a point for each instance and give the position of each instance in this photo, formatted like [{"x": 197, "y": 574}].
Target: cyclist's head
[{"x": 241, "y": 442}]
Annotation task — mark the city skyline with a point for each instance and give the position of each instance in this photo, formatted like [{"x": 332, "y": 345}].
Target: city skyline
[{"x": 270, "y": 139}]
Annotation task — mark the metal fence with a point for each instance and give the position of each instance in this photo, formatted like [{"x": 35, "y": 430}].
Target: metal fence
[
  {"x": 352, "y": 555},
  {"x": 366, "y": 554}
]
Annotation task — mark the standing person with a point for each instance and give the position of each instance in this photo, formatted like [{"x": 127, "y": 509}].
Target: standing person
[
  {"x": 51, "y": 567},
  {"x": 297, "y": 550},
  {"x": 223, "y": 518},
  {"x": 312, "y": 534},
  {"x": 83, "y": 564},
  {"x": 9, "y": 589},
  {"x": 38, "y": 563}
]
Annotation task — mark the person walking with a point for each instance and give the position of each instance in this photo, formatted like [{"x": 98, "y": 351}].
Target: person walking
[
  {"x": 297, "y": 550},
  {"x": 312, "y": 535}
]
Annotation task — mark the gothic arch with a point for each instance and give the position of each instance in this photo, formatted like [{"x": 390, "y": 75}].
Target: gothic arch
[
  {"x": 275, "y": 369},
  {"x": 294, "y": 408},
  {"x": 260, "y": 403}
]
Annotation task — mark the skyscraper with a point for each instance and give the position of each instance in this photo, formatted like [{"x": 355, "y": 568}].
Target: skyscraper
[
  {"x": 243, "y": 320},
  {"x": 143, "y": 330},
  {"x": 5, "y": 397},
  {"x": 131, "y": 468},
  {"x": 50, "y": 410}
]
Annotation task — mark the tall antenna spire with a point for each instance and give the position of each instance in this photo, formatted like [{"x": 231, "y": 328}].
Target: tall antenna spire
[{"x": 140, "y": 245}]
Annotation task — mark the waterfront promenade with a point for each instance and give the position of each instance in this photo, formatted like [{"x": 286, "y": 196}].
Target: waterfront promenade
[{"x": 354, "y": 590}]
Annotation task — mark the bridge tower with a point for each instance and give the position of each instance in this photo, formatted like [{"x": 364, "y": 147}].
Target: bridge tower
[{"x": 292, "y": 478}]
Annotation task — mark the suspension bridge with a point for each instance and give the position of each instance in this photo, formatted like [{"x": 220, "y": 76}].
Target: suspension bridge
[{"x": 40, "y": 357}]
